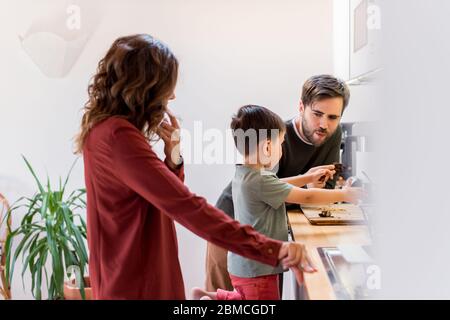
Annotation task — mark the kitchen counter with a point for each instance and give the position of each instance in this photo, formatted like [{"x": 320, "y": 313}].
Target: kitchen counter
[{"x": 317, "y": 286}]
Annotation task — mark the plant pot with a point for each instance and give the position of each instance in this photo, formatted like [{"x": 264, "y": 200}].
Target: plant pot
[{"x": 72, "y": 292}]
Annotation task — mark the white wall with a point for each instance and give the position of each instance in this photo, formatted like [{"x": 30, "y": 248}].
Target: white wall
[
  {"x": 414, "y": 216},
  {"x": 231, "y": 53},
  {"x": 341, "y": 38}
]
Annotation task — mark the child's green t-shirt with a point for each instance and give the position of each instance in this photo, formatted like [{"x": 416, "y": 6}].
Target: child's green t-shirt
[{"x": 259, "y": 200}]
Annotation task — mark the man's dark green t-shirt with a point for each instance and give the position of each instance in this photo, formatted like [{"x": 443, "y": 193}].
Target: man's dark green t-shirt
[{"x": 298, "y": 157}]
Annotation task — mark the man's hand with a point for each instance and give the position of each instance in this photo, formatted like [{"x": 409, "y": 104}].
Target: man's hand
[
  {"x": 320, "y": 176},
  {"x": 169, "y": 132},
  {"x": 295, "y": 256}
]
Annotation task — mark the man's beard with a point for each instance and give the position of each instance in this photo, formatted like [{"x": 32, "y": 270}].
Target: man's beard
[{"x": 309, "y": 134}]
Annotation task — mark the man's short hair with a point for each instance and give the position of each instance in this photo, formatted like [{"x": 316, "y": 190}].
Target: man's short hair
[{"x": 323, "y": 87}]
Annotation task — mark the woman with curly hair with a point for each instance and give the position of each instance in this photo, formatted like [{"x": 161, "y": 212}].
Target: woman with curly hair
[{"x": 133, "y": 198}]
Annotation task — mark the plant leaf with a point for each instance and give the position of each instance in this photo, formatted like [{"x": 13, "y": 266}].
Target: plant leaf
[
  {"x": 68, "y": 176},
  {"x": 76, "y": 232},
  {"x": 41, "y": 189}
]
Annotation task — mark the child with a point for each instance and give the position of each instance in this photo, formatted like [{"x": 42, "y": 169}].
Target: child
[{"x": 259, "y": 200}]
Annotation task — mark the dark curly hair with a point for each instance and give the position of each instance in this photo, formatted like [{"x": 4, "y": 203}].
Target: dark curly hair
[{"x": 135, "y": 81}]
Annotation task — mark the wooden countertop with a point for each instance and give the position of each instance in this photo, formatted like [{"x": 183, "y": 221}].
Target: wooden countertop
[{"x": 317, "y": 285}]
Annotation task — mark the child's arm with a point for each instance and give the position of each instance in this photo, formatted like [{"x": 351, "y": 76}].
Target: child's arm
[
  {"x": 299, "y": 181},
  {"x": 311, "y": 177},
  {"x": 322, "y": 196}
]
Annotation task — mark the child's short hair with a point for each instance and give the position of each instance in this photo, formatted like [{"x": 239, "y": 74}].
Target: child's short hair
[{"x": 253, "y": 124}]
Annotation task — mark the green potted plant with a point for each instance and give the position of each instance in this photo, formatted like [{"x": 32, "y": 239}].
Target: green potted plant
[{"x": 52, "y": 232}]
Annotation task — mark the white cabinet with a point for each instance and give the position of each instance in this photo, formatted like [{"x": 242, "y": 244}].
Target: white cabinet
[{"x": 357, "y": 38}]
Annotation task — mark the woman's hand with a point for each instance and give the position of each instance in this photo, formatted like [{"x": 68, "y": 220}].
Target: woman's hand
[
  {"x": 169, "y": 132},
  {"x": 320, "y": 176},
  {"x": 295, "y": 256}
]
